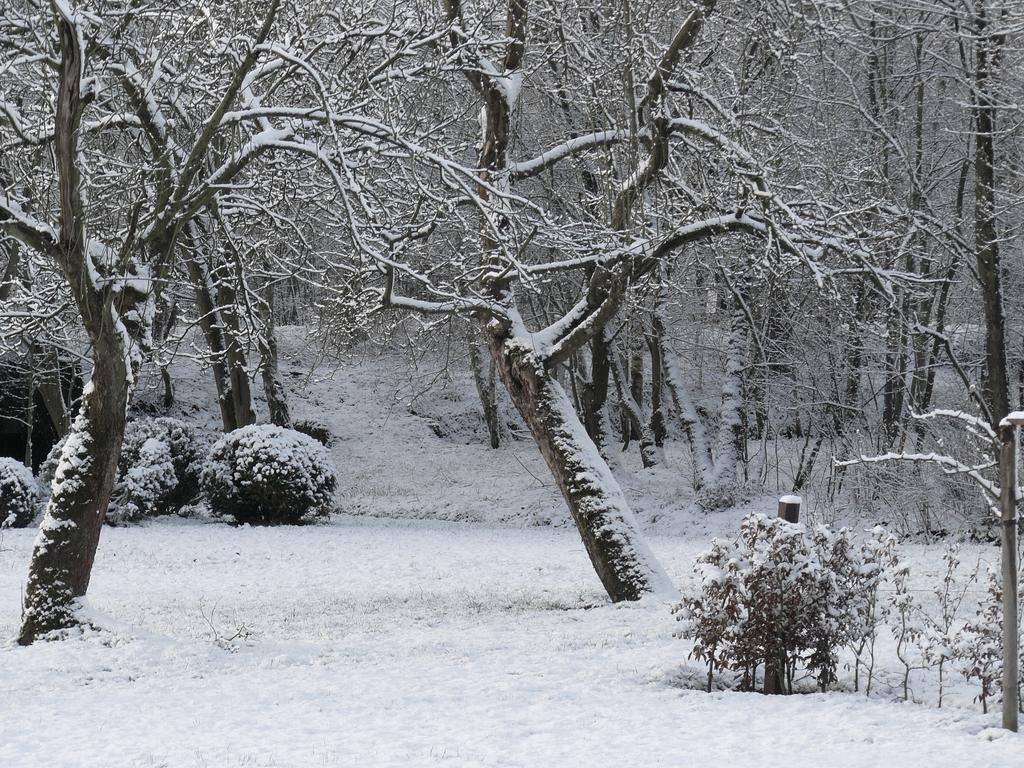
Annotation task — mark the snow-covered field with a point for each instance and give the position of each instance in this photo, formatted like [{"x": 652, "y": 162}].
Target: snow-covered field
[
  {"x": 435, "y": 624},
  {"x": 379, "y": 643}
]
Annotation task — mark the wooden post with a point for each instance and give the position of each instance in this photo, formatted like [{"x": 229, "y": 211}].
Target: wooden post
[
  {"x": 789, "y": 508},
  {"x": 775, "y": 669},
  {"x": 1008, "y": 542}
]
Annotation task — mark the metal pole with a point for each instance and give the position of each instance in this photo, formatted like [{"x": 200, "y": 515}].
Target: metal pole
[{"x": 1008, "y": 541}]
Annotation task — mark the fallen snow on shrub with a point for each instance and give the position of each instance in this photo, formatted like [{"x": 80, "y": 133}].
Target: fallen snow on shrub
[
  {"x": 144, "y": 487},
  {"x": 44, "y": 477},
  {"x": 19, "y": 494},
  {"x": 158, "y": 471},
  {"x": 779, "y": 592},
  {"x": 266, "y": 474}
]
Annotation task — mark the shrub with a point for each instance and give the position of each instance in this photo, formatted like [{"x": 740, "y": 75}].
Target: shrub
[
  {"x": 719, "y": 496},
  {"x": 778, "y": 592},
  {"x": 19, "y": 494},
  {"x": 264, "y": 474},
  {"x": 157, "y": 472},
  {"x": 145, "y": 483},
  {"x": 315, "y": 429},
  {"x": 978, "y": 650},
  {"x": 44, "y": 477},
  {"x": 880, "y": 562}
]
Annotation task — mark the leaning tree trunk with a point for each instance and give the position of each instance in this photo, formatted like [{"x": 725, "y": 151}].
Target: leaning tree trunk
[
  {"x": 611, "y": 536},
  {"x": 51, "y": 389},
  {"x": 116, "y": 313},
  {"x": 66, "y": 545}
]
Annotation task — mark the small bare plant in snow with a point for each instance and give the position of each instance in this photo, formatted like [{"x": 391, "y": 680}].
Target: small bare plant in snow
[
  {"x": 879, "y": 558},
  {"x": 978, "y": 647}
]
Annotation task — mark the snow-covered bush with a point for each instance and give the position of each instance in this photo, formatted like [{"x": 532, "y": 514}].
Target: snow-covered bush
[
  {"x": 979, "y": 647},
  {"x": 158, "y": 472},
  {"x": 44, "y": 477},
  {"x": 267, "y": 474},
  {"x": 940, "y": 632},
  {"x": 778, "y": 592},
  {"x": 19, "y": 494},
  {"x": 315, "y": 429},
  {"x": 879, "y": 558},
  {"x": 719, "y": 496},
  {"x": 145, "y": 483}
]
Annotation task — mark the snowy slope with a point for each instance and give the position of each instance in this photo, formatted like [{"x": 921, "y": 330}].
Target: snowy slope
[{"x": 385, "y": 410}]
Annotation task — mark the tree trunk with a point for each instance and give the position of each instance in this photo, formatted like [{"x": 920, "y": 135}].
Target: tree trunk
[
  {"x": 64, "y": 551},
  {"x": 610, "y": 533},
  {"x": 277, "y": 398},
  {"x": 730, "y": 429},
  {"x": 12, "y": 270},
  {"x": 595, "y": 393},
  {"x": 49, "y": 384},
  {"x": 213, "y": 332},
  {"x": 636, "y": 388},
  {"x": 485, "y": 388},
  {"x": 635, "y": 420},
  {"x": 163, "y": 323},
  {"x": 658, "y": 426},
  {"x": 117, "y": 319},
  {"x": 238, "y": 374},
  {"x": 986, "y": 236},
  {"x": 700, "y": 447}
]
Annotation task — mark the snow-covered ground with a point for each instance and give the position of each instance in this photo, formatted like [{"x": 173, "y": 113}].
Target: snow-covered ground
[
  {"x": 406, "y": 643},
  {"x": 450, "y": 617}
]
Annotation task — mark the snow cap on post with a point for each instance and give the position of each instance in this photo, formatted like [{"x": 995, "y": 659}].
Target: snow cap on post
[{"x": 1015, "y": 419}]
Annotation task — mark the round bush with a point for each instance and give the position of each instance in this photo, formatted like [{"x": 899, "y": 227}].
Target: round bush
[
  {"x": 719, "y": 496},
  {"x": 19, "y": 494},
  {"x": 264, "y": 474},
  {"x": 144, "y": 487},
  {"x": 182, "y": 447},
  {"x": 158, "y": 470}
]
